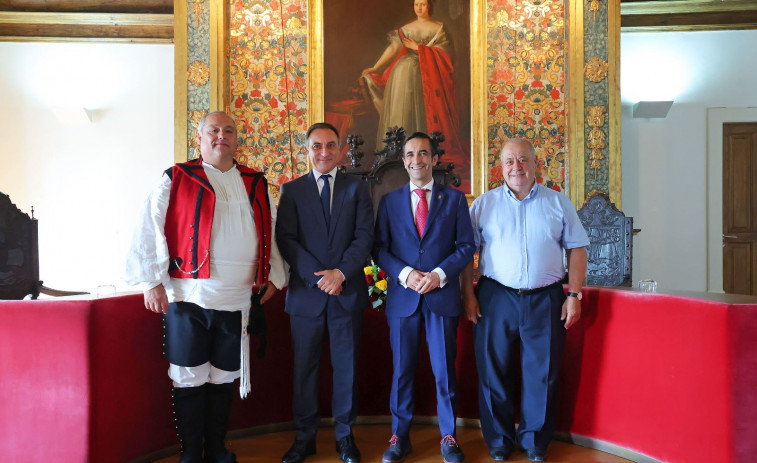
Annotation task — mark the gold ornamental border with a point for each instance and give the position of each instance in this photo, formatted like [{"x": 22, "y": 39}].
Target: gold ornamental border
[
  {"x": 181, "y": 67},
  {"x": 478, "y": 83}
]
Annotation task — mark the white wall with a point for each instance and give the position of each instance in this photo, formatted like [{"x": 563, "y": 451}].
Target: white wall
[
  {"x": 85, "y": 181},
  {"x": 667, "y": 168}
]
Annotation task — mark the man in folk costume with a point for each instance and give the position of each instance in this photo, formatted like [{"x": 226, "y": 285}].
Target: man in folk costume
[{"x": 204, "y": 245}]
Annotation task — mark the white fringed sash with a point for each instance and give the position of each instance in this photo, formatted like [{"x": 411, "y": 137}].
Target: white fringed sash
[{"x": 244, "y": 378}]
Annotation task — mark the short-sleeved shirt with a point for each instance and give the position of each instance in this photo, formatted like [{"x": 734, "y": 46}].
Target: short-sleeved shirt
[{"x": 521, "y": 243}]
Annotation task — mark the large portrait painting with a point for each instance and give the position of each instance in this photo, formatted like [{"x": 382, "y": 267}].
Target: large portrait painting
[{"x": 403, "y": 63}]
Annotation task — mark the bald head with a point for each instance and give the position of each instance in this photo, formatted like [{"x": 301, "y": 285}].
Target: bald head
[{"x": 518, "y": 158}]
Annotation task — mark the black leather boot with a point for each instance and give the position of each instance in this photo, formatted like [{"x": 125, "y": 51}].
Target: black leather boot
[
  {"x": 218, "y": 407},
  {"x": 189, "y": 415}
]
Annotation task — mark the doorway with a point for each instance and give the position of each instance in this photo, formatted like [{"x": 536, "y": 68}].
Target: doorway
[{"x": 740, "y": 208}]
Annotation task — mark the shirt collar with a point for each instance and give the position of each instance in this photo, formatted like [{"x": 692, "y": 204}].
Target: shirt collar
[
  {"x": 429, "y": 186},
  {"x": 210, "y": 166},
  {"x": 318, "y": 175},
  {"x": 512, "y": 196}
]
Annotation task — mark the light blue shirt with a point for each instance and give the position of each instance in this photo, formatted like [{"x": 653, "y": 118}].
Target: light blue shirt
[{"x": 521, "y": 243}]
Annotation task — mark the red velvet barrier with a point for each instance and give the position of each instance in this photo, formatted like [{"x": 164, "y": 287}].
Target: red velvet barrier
[
  {"x": 671, "y": 377},
  {"x": 668, "y": 376},
  {"x": 82, "y": 381}
]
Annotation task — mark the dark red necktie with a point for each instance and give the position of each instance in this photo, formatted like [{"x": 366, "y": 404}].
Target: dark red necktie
[{"x": 421, "y": 212}]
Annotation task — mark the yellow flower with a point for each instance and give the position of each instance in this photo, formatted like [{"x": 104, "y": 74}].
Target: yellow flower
[
  {"x": 368, "y": 270},
  {"x": 381, "y": 284}
]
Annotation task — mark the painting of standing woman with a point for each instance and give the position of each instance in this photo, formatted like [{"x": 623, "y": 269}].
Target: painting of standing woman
[{"x": 402, "y": 63}]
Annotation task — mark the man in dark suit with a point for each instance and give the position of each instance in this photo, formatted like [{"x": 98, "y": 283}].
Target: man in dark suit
[
  {"x": 325, "y": 233},
  {"x": 424, "y": 240}
]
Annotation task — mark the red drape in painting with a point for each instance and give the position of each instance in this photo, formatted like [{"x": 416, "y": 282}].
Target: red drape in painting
[{"x": 439, "y": 98}]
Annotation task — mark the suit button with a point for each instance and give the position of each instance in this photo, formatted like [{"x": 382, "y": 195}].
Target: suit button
[{"x": 421, "y": 251}]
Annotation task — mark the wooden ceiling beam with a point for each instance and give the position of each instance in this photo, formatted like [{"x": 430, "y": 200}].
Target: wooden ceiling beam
[
  {"x": 685, "y": 15},
  {"x": 99, "y": 6},
  {"x": 16, "y": 26}
]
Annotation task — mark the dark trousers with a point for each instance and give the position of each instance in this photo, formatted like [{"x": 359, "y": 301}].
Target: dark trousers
[
  {"x": 344, "y": 329},
  {"x": 405, "y": 339},
  {"x": 531, "y": 322},
  {"x": 194, "y": 336}
]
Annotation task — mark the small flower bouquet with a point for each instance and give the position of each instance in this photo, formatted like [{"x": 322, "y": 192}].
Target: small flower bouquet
[{"x": 377, "y": 283}]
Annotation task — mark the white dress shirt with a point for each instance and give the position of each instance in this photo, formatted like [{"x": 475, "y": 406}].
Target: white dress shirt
[
  {"x": 414, "y": 200},
  {"x": 319, "y": 182}
]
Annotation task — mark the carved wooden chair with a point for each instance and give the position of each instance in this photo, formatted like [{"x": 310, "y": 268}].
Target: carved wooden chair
[
  {"x": 19, "y": 255},
  {"x": 611, "y": 242},
  {"x": 388, "y": 171}
]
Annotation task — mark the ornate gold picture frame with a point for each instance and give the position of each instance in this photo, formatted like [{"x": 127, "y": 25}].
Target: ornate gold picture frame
[{"x": 316, "y": 97}]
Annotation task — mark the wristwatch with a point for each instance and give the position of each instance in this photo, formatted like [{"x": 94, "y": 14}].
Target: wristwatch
[{"x": 579, "y": 296}]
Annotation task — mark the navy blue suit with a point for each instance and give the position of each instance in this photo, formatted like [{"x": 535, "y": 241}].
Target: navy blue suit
[
  {"x": 308, "y": 246},
  {"x": 447, "y": 243}
]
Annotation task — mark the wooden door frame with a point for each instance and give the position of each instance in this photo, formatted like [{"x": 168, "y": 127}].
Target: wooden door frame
[{"x": 716, "y": 117}]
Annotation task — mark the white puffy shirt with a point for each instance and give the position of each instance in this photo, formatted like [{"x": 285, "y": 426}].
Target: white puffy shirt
[{"x": 233, "y": 257}]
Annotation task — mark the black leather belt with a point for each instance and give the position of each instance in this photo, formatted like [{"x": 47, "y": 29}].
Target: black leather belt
[{"x": 525, "y": 291}]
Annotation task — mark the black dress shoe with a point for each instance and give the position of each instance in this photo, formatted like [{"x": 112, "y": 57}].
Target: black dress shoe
[
  {"x": 500, "y": 453},
  {"x": 399, "y": 448},
  {"x": 299, "y": 451},
  {"x": 536, "y": 455},
  {"x": 347, "y": 450}
]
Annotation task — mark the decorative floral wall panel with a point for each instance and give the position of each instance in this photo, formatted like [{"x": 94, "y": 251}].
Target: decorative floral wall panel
[
  {"x": 262, "y": 67},
  {"x": 526, "y": 84},
  {"x": 268, "y": 84}
]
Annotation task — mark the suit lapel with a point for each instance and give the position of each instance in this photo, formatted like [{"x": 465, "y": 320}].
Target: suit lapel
[
  {"x": 406, "y": 208},
  {"x": 438, "y": 196},
  {"x": 315, "y": 199},
  {"x": 337, "y": 198}
]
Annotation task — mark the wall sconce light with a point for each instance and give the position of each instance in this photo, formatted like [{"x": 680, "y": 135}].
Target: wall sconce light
[
  {"x": 651, "y": 109},
  {"x": 72, "y": 115}
]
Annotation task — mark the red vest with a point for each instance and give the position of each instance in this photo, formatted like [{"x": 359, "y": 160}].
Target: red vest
[{"x": 190, "y": 217}]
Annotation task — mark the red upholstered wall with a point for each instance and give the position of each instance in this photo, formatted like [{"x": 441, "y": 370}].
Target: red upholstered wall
[
  {"x": 44, "y": 412},
  {"x": 661, "y": 375},
  {"x": 667, "y": 376}
]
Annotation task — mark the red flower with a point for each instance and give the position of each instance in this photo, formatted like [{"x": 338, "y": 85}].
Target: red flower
[
  {"x": 369, "y": 279},
  {"x": 537, "y": 84},
  {"x": 519, "y": 94},
  {"x": 554, "y": 94},
  {"x": 239, "y": 102},
  {"x": 381, "y": 275},
  {"x": 255, "y": 93},
  {"x": 273, "y": 102}
]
